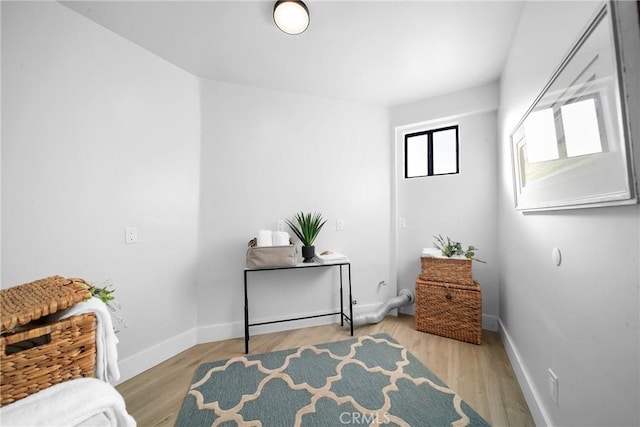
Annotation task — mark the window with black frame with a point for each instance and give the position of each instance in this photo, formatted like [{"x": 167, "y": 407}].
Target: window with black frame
[{"x": 431, "y": 152}]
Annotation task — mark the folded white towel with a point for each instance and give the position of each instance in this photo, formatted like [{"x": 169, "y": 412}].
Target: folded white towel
[
  {"x": 437, "y": 253},
  {"x": 431, "y": 252},
  {"x": 327, "y": 257},
  {"x": 106, "y": 340},
  {"x": 265, "y": 238},
  {"x": 280, "y": 238},
  {"x": 78, "y": 402}
]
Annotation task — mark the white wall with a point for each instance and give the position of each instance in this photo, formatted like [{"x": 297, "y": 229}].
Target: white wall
[
  {"x": 0, "y": 151},
  {"x": 461, "y": 206},
  {"x": 579, "y": 319},
  {"x": 267, "y": 155},
  {"x": 99, "y": 134}
]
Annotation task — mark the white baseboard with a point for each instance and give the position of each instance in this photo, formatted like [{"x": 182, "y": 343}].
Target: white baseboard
[
  {"x": 150, "y": 357},
  {"x": 531, "y": 394},
  {"x": 490, "y": 322},
  {"x": 220, "y": 331},
  {"x": 225, "y": 331}
]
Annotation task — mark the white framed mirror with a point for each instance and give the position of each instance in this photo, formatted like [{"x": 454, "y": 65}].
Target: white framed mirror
[{"x": 572, "y": 147}]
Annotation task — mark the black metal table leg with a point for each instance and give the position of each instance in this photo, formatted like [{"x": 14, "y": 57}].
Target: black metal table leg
[
  {"x": 246, "y": 315},
  {"x": 341, "y": 300},
  {"x": 350, "y": 300}
]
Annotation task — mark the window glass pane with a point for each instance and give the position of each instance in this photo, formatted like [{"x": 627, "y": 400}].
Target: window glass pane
[
  {"x": 417, "y": 155},
  {"x": 445, "y": 152},
  {"x": 581, "y": 131},
  {"x": 540, "y": 131}
]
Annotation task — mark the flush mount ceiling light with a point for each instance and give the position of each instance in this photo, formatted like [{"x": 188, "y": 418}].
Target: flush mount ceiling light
[{"x": 291, "y": 16}]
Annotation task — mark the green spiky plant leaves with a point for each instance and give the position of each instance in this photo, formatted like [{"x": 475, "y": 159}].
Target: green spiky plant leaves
[
  {"x": 450, "y": 248},
  {"x": 308, "y": 227},
  {"x": 103, "y": 293}
]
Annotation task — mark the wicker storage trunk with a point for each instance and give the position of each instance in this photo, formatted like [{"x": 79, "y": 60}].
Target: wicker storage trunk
[
  {"x": 36, "y": 354},
  {"x": 449, "y": 270},
  {"x": 451, "y": 310}
]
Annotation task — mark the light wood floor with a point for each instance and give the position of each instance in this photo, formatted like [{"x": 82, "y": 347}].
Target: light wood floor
[{"x": 481, "y": 375}]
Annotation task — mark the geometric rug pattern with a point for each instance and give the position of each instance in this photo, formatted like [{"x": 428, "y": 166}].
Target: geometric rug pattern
[{"x": 370, "y": 380}]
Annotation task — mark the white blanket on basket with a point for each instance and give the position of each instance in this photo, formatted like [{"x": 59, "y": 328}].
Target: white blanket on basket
[
  {"x": 80, "y": 402},
  {"x": 106, "y": 340},
  {"x": 437, "y": 253}
]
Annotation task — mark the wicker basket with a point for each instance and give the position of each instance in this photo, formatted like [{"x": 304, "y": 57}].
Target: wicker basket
[
  {"x": 449, "y": 270},
  {"x": 451, "y": 310},
  {"x": 36, "y": 354}
]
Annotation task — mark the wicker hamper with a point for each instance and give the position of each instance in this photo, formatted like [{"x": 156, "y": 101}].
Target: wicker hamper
[
  {"x": 449, "y": 270},
  {"x": 451, "y": 310},
  {"x": 35, "y": 354}
]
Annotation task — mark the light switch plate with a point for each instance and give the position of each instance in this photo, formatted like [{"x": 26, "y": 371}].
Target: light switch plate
[{"x": 402, "y": 222}]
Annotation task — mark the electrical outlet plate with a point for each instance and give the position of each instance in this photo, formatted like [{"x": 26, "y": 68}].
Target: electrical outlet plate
[
  {"x": 280, "y": 225},
  {"x": 130, "y": 235},
  {"x": 340, "y": 224}
]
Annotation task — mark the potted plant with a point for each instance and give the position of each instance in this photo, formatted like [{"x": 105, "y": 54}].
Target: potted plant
[
  {"x": 450, "y": 248},
  {"x": 307, "y": 228}
]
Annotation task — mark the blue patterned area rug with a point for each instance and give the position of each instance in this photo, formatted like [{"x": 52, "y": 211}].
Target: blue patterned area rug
[{"x": 371, "y": 380}]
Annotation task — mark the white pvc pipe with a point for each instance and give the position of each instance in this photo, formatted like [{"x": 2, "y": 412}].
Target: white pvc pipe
[{"x": 405, "y": 297}]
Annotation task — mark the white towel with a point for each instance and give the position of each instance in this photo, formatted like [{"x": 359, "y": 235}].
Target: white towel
[
  {"x": 106, "y": 340},
  {"x": 327, "y": 257},
  {"x": 431, "y": 253},
  {"x": 79, "y": 402},
  {"x": 437, "y": 253},
  {"x": 280, "y": 238},
  {"x": 265, "y": 238}
]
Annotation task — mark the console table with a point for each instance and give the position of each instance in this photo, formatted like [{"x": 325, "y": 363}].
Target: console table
[{"x": 343, "y": 315}]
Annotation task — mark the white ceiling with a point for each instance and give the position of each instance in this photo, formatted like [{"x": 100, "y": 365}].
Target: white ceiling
[{"x": 378, "y": 52}]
